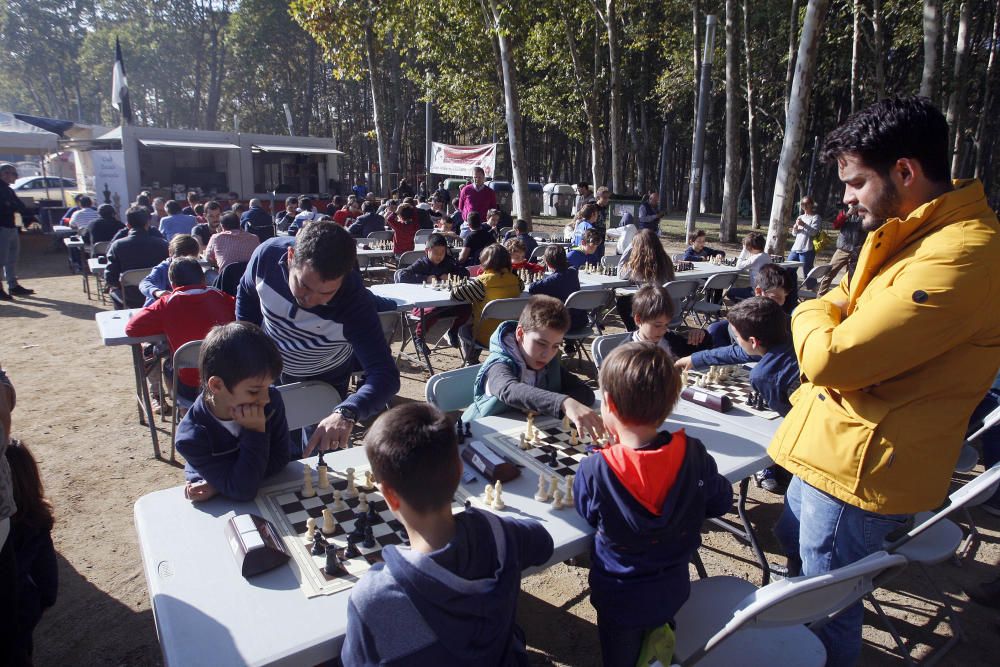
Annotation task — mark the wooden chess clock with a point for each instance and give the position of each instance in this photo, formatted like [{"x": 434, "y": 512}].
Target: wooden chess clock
[
  {"x": 488, "y": 463},
  {"x": 711, "y": 400},
  {"x": 255, "y": 544}
]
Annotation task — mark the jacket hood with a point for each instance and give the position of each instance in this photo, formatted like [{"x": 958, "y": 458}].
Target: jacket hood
[
  {"x": 649, "y": 473},
  {"x": 498, "y": 344}
]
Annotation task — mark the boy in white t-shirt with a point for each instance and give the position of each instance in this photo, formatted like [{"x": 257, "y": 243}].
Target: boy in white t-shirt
[{"x": 805, "y": 227}]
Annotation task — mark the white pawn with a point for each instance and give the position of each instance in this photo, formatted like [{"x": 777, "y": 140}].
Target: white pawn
[
  {"x": 338, "y": 501},
  {"x": 362, "y": 502},
  {"x": 351, "y": 490},
  {"x": 524, "y": 444},
  {"x": 553, "y": 486},
  {"x": 566, "y": 423},
  {"x": 310, "y": 529},
  {"x": 324, "y": 478},
  {"x": 488, "y": 495},
  {"x": 557, "y": 500},
  {"x": 542, "y": 495},
  {"x": 369, "y": 479},
  {"x": 497, "y": 503},
  {"x": 329, "y": 523},
  {"x": 307, "y": 483},
  {"x": 568, "y": 498}
]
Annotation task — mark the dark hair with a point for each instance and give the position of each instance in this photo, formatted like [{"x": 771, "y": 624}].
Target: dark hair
[
  {"x": 589, "y": 237},
  {"x": 773, "y": 276},
  {"x": 474, "y": 220},
  {"x": 184, "y": 245},
  {"x": 142, "y": 200},
  {"x": 33, "y": 508},
  {"x": 521, "y": 226},
  {"x": 495, "y": 258},
  {"x": 695, "y": 235},
  {"x": 86, "y": 202},
  {"x": 587, "y": 210},
  {"x": 761, "y": 318},
  {"x": 192, "y": 196},
  {"x": 515, "y": 245},
  {"x": 454, "y": 202},
  {"x": 478, "y": 169},
  {"x": 544, "y": 312},
  {"x": 173, "y": 206},
  {"x": 327, "y": 248},
  {"x": 291, "y": 200},
  {"x": 648, "y": 262},
  {"x": 199, "y": 209},
  {"x": 230, "y": 221},
  {"x": 306, "y": 203},
  {"x": 894, "y": 128},
  {"x": 436, "y": 241},
  {"x": 652, "y": 301},
  {"x": 413, "y": 449},
  {"x": 236, "y": 351},
  {"x": 754, "y": 240},
  {"x": 213, "y": 206},
  {"x": 405, "y": 212},
  {"x": 137, "y": 217},
  {"x": 185, "y": 271},
  {"x": 555, "y": 256},
  {"x": 107, "y": 211},
  {"x": 339, "y": 200},
  {"x": 369, "y": 207},
  {"x": 641, "y": 380}
]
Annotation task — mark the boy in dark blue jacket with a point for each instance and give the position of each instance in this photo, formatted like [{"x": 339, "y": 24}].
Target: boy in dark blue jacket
[
  {"x": 589, "y": 251},
  {"x": 235, "y": 434},
  {"x": 560, "y": 282},
  {"x": 437, "y": 263},
  {"x": 647, "y": 495},
  {"x": 450, "y": 597},
  {"x": 697, "y": 251}
]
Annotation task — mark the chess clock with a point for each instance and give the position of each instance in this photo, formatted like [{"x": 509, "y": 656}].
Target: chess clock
[
  {"x": 711, "y": 400},
  {"x": 255, "y": 544},
  {"x": 488, "y": 463}
]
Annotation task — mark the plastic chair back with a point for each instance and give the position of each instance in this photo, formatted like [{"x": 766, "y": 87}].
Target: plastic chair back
[
  {"x": 130, "y": 286},
  {"x": 452, "y": 390},
  {"x": 229, "y": 278},
  {"x": 588, "y": 300},
  {"x": 382, "y": 236},
  {"x": 408, "y": 258},
  {"x": 682, "y": 293},
  {"x": 100, "y": 249},
  {"x": 308, "y": 403},
  {"x": 721, "y": 281},
  {"x": 390, "y": 324},
  {"x": 504, "y": 309},
  {"x": 422, "y": 235},
  {"x": 602, "y": 345},
  {"x": 186, "y": 356},
  {"x": 538, "y": 253},
  {"x": 818, "y": 272}
]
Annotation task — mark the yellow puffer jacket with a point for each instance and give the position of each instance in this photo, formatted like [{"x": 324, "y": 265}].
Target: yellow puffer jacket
[
  {"x": 890, "y": 380},
  {"x": 487, "y": 287}
]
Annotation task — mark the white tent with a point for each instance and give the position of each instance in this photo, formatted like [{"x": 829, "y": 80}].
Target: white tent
[{"x": 16, "y": 136}]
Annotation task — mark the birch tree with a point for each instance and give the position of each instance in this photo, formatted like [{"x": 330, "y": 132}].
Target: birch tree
[
  {"x": 932, "y": 31},
  {"x": 730, "y": 190}
]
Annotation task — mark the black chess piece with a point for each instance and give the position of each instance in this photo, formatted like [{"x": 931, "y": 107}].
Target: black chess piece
[
  {"x": 334, "y": 567},
  {"x": 468, "y": 429},
  {"x": 761, "y": 403},
  {"x": 352, "y": 548},
  {"x": 360, "y": 523},
  {"x": 369, "y": 542},
  {"x": 405, "y": 536},
  {"x": 320, "y": 461},
  {"x": 372, "y": 517},
  {"x": 319, "y": 544},
  {"x": 459, "y": 432},
  {"x": 751, "y": 398}
]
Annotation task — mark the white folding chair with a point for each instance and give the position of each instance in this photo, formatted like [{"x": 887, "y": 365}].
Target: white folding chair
[
  {"x": 498, "y": 309},
  {"x": 99, "y": 249},
  {"x": 132, "y": 278},
  {"x": 706, "y": 310},
  {"x": 502, "y": 232},
  {"x": 452, "y": 390},
  {"x": 538, "y": 253},
  {"x": 816, "y": 275},
  {"x": 610, "y": 261},
  {"x": 369, "y": 268},
  {"x": 408, "y": 258},
  {"x": 588, "y": 301},
  {"x": 186, "y": 356},
  {"x": 387, "y": 235},
  {"x": 308, "y": 403},
  {"x": 728, "y": 621},
  {"x": 602, "y": 346},
  {"x": 682, "y": 293},
  {"x": 422, "y": 235}
]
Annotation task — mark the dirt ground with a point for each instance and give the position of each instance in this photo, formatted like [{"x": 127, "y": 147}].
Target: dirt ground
[{"x": 76, "y": 412}]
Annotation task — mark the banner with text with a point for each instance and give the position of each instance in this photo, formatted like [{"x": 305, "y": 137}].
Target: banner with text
[
  {"x": 106, "y": 178},
  {"x": 451, "y": 160}
]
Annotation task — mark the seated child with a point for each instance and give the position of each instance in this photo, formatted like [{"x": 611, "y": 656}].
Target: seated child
[
  {"x": 523, "y": 370},
  {"x": 437, "y": 262},
  {"x": 476, "y": 239},
  {"x": 187, "y": 313},
  {"x": 697, "y": 251},
  {"x": 586, "y": 218},
  {"x": 404, "y": 225},
  {"x": 37, "y": 580},
  {"x": 520, "y": 231},
  {"x": 496, "y": 281},
  {"x": 587, "y": 253},
  {"x": 518, "y": 256},
  {"x": 773, "y": 281},
  {"x": 761, "y": 330},
  {"x": 652, "y": 310},
  {"x": 235, "y": 434},
  {"x": 560, "y": 282},
  {"x": 157, "y": 283},
  {"x": 452, "y": 592},
  {"x": 752, "y": 258},
  {"x": 647, "y": 495}
]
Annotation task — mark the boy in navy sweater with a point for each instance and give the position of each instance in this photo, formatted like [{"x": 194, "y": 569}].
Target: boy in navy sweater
[
  {"x": 697, "y": 251},
  {"x": 587, "y": 253},
  {"x": 560, "y": 282},
  {"x": 450, "y": 597},
  {"x": 235, "y": 434},
  {"x": 761, "y": 330},
  {"x": 437, "y": 263},
  {"x": 647, "y": 495},
  {"x": 652, "y": 311}
]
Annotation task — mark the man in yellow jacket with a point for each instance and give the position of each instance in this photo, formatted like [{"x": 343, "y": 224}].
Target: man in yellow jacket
[{"x": 895, "y": 359}]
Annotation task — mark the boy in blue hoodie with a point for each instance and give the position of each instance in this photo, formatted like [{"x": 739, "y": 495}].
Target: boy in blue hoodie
[
  {"x": 450, "y": 597},
  {"x": 647, "y": 495},
  {"x": 588, "y": 253},
  {"x": 437, "y": 263},
  {"x": 235, "y": 434},
  {"x": 523, "y": 370}
]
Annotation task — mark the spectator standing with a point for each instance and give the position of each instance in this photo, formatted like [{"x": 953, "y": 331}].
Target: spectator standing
[
  {"x": 805, "y": 227},
  {"x": 477, "y": 196},
  {"x": 649, "y": 213},
  {"x": 849, "y": 241},
  {"x": 10, "y": 242}
]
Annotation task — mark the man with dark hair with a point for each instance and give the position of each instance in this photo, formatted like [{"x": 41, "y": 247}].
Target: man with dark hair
[
  {"x": 85, "y": 216},
  {"x": 212, "y": 225},
  {"x": 139, "y": 250},
  {"x": 10, "y": 242},
  {"x": 476, "y": 240},
  {"x": 897, "y": 357},
  {"x": 849, "y": 242},
  {"x": 232, "y": 244},
  {"x": 175, "y": 222},
  {"x": 369, "y": 221},
  {"x": 257, "y": 221},
  {"x": 477, "y": 196},
  {"x": 105, "y": 227},
  {"x": 285, "y": 217},
  {"x": 192, "y": 202},
  {"x": 306, "y": 214},
  {"x": 583, "y": 196},
  {"x": 307, "y": 294}
]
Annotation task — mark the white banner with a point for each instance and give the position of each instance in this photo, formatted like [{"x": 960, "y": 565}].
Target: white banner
[
  {"x": 449, "y": 160},
  {"x": 106, "y": 178}
]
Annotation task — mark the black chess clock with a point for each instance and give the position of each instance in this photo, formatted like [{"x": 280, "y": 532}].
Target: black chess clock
[{"x": 255, "y": 544}]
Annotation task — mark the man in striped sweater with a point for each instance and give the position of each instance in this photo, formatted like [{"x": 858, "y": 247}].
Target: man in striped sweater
[{"x": 308, "y": 296}]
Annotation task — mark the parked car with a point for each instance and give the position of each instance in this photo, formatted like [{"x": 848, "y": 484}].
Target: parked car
[{"x": 38, "y": 188}]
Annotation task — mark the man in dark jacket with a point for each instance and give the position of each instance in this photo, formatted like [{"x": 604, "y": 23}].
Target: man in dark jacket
[
  {"x": 257, "y": 221},
  {"x": 369, "y": 221},
  {"x": 10, "y": 243},
  {"x": 849, "y": 243},
  {"x": 139, "y": 250},
  {"x": 105, "y": 227}
]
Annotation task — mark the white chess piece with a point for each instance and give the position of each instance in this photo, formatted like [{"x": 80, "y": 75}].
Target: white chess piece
[
  {"x": 329, "y": 523},
  {"x": 557, "y": 500},
  {"x": 350, "y": 490},
  {"x": 310, "y": 529},
  {"x": 497, "y": 503},
  {"x": 488, "y": 495},
  {"x": 369, "y": 479},
  {"x": 362, "y": 502},
  {"x": 338, "y": 501},
  {"x": 307, "y": 483},
  {"x": 566, "y": 423},
  {"x": 542, "y": 495},
  {"x": 324, "y": 478},
  {"x": 529, "y": 430},
  {"x": 574, "y": 438},
  {"x": 568, "y": 498},
  {"x": 553, "y": 486},
  {"x": 524, "y": 443}
]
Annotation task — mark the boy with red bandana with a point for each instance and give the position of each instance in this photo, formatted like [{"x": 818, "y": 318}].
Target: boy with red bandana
[{"x": 647, "y": 495}]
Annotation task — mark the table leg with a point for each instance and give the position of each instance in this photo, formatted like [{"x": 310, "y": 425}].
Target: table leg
[
  {"x": 142, "y": 396},
  {"x": 747, "y": 533},
  {"x": 427, "y": 357},
  {"x": 85, "y": 272}
]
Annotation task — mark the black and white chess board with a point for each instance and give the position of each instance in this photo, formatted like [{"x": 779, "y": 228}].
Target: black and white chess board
[
  {"x": 286, "y": 508},
  {"x": 737, "y": 386},
  {"x": 553, "y": 454}
]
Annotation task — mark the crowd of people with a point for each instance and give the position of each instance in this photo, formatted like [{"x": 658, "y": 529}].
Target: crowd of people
[{"x": 875, "y": 383}]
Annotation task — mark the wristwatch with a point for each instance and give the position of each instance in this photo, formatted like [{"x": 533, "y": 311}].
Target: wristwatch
[{"x": 347, "y": 413}]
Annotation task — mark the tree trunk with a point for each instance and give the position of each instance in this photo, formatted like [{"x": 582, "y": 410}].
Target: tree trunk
[
  {"x": 751, "y": 120},
  {"x": 589, "y": 103},
  {"x": 946, "y": 47},
  {"x": 793, "y": 24},
  {"x": 795, "y": 125},
  {"x": 615, "y": 104},
  {"x": 378, "y": 107},
  {"x": 878, "y": 47},
  {"x": 855, "y": 60},
  {"x": 730, "y": 190},
  {"x": 984, "y": 113},
  {"x": 932, "y": 29},
  {"x": 956, "y": 100},
  {"x": 512, "y": 114}
]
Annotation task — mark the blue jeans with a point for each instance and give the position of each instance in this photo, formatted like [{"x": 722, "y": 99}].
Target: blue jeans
[
  {"x": 820, "y": 533},
  {"x": 807, "y": 258},
  {"x": 10, "y": 245}
]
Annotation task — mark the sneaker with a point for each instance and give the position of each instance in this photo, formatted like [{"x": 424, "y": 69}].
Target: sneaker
[
  {"x": 4, "y": 296},
  {"x": 767, "y": 479},
  {"x": 453, "y": 338},
  {"x": 18, "y": 290},
  {"x": 421, "y": 347},
  {"x": 158, "y": 406}
]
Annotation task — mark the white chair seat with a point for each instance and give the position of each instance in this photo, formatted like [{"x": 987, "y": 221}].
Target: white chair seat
[
  {"x": 709, "y": 609},
  {"x": 935, "y": 545}
]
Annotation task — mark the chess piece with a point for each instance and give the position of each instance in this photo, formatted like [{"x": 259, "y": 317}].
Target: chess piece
[
  {"x": 488, "y": 495},
  {"x": 329, "y": 523},
  {"x": 468, "y": 430},
  {"x": 307, "y": 483},
  {"x": 542, "y": 495},
  {"x": 529, "y": 428},
  {"x": 310, "y": 529},
  {"x": 338, "y": 501},
  {"x": 524, "y": 444},
  {"x": 350, "y": 490},
  {"x": 574, "y": 438},
  {"x": 320, "y": 461},
  {"x": 333, "y": 566},
  {"x": 566, "y": 423},
  {"x": 497, "y": 503},
  {"x": 352, "y": 548},
  {"x": 557, "y": 500},
  {"x": 318, "y": 546},
  {"x": 553, "y": 486},
  {"x": 369, "y": 479},
  {"x": 684, "y": 378},
  {"x": 363, "y": 502},
  {"x": 324, "y": 478},
  {"x": 568, "y": 498},
  {"x": 369, "y": 542}
]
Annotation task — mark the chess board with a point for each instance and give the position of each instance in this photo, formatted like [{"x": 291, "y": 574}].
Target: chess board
[
  {"x": 737, "y": 387},
  {"x": 555, "y": 456},
  {"x": 681, "y": 267},
  {"x": 287, "y": 510}
]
